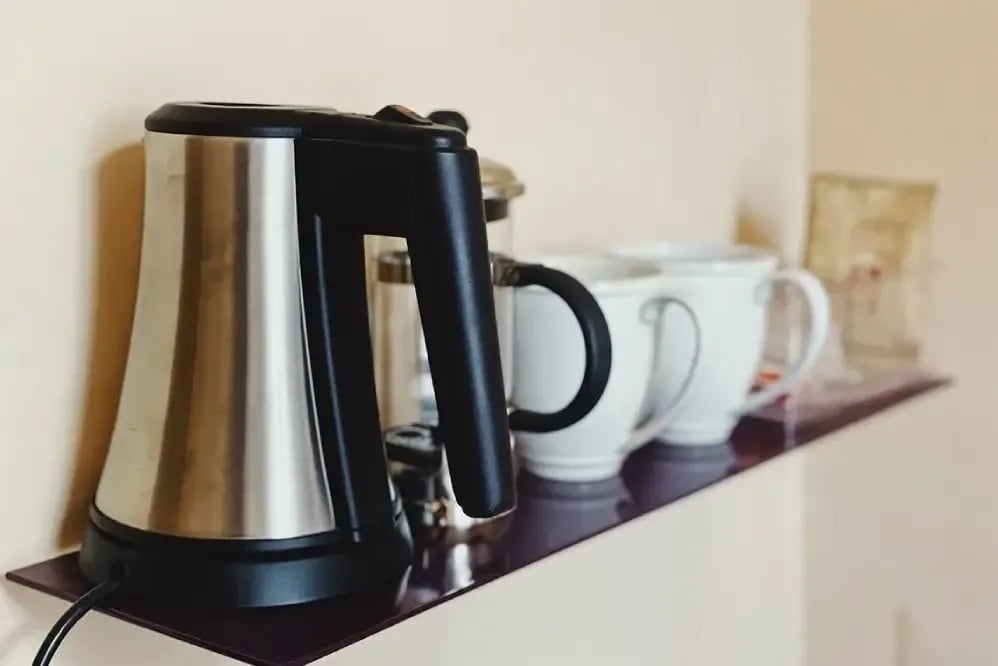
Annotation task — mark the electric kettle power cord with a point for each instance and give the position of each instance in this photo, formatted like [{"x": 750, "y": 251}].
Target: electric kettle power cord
[{"x": 94, "y": 596}]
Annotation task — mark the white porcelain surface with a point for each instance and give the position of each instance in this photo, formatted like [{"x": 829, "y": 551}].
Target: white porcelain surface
[{"x": 729, "y": 289}]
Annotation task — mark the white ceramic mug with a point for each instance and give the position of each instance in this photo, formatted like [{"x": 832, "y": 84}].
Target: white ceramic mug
[
  {"x": 729, "y": 288},
  {"x": 548, "y": 359}
]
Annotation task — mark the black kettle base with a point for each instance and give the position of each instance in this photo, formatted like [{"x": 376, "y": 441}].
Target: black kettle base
[{"x": 240, "y": 573}]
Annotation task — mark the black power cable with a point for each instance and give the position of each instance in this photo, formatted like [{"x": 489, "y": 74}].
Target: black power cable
[{"x": 79, "y": 608}]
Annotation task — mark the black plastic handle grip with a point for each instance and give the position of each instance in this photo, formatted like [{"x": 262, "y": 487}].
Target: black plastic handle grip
[
  {"x": 595, "y": 339},
  {"x": 419, "y": 183},
  {"x": 453, "y": 281}
]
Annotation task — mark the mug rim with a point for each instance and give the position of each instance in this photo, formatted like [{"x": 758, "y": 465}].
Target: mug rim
[
  {"x": 699, "y": 257},
  {"x": 648, "y": 275}
]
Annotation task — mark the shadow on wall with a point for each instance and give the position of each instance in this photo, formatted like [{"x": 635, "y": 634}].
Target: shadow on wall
[
  {"x": 118, "y": 229},
  {"x": 752, "y": 230}
]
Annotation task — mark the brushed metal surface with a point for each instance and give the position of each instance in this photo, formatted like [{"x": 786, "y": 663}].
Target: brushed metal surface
[
  {"x": 395, "y": 267},
  {"x": 214, "y": 436}
]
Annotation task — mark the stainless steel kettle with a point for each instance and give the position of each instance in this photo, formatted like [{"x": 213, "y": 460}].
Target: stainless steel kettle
[{"x": 247, "y": 465}]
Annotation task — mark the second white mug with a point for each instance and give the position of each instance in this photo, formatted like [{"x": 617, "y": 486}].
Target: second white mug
[{"x": 729, "y": 289}]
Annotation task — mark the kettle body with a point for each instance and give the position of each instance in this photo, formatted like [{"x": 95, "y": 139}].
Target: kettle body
[
  {"x": 213, "y": 437},
  {"x": 246, "y": 466}
]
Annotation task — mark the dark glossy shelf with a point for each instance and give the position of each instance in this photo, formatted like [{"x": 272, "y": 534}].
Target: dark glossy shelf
[{"x": 550, "y": 516}]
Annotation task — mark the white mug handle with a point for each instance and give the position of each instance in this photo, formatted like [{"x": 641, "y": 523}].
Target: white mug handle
[
  {"x": 816, "y": 300},
  {"x": 663, "y": 416}
]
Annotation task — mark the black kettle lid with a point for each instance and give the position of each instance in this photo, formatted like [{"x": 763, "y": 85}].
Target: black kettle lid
[
  {"x": 226, "y": 119},
  {"x": 393, "y": 124}
]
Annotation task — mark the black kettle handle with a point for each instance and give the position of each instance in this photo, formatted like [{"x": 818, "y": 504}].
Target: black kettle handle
[
  {"x": 595, "y": 339},
  {"x": 399, "y": 175}
]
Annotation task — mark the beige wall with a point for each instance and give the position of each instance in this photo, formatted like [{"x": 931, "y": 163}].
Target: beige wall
[
  {"x": 630, "y": 119},
  {"x": 908, "y": 89}
]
